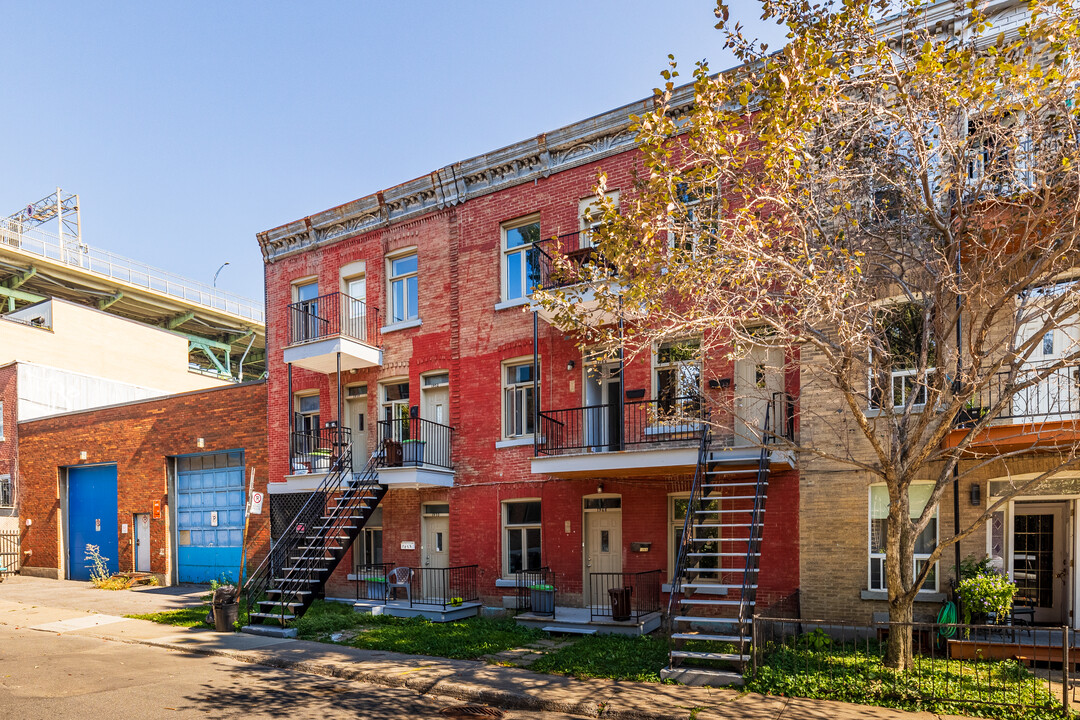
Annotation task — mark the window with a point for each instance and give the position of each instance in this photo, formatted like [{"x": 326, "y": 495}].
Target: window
[
  {"x": 894, "y": 371},
  {"x": 918, "y": 496},
  {"x": 306, "y": 320},
  {"x": 518, "y": 401},
  {"x": 7, "y": 491},
  {"x": 678, "y": 377},
  {"x": 689, "y": 233},
  {"x": 591, "y": 216},
  {"x": 368, "y": 548},
  {"x": 520, "y": 265},
  {"x": 307, "y": 414},
  {"x": 521, "y": 536},
  {"x": 403, "y": 288},
  {"x": 677, "y": 507}
]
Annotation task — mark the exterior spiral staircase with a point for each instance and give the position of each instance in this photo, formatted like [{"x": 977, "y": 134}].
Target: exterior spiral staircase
[{"x": 303, "y": 558}]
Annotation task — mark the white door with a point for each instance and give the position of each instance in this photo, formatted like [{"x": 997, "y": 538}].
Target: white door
[
  {"x": 356, "y": 308},
  {"x": 603, "y": 550},
  {"x": 435, "y": 408},
  {"x": 142, "y": 543},
  {"x": 435, "y": 555},
  {"x": 1040, "y": 558},
  {"x": 757, "y": 376},
  {"x": 356, "y": 412},
  {"x": 603, "y": 420}
]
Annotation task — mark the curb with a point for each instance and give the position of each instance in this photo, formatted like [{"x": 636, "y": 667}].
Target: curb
[{"x": 460, "y": 691}]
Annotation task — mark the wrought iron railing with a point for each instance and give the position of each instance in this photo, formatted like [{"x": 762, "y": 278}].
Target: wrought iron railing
[
  {"x": 415, "y": 442},
  {"x": 580, "y": 256},
  {"x": 526, "y": 583},
  {"x": 1037, "y": 390},
  {"x": 10, "y": 552},
  {"x": 371, "y": 583},
  {"x": 976, "y": 666},
  {"x": 623, "y": 595},
  {"x": 332, "y": 315},
  {"x": 682, "y": 552},
  {"x": 620, "y": 426},
  {"x": 447, "y": 587},
  {"x": 314, "y": 451}
]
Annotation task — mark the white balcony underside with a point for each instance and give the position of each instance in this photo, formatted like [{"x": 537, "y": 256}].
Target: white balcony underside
[
  {"x": 585, "y": 303},
  {"x": 652, "y": 461},
  {"x": 414, "y": 478},
  {"x": 321, "y": 356}
]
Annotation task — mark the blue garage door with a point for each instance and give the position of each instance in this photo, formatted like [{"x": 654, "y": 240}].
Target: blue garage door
[
  {"x": 209, "y": 516},
  {"x": 92, "y": 518}
]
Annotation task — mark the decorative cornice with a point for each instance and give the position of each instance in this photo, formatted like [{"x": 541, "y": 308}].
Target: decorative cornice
[{"x": 583, "y": 142}]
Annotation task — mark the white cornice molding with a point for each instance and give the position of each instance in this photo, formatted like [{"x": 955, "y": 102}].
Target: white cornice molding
[{"x": 583, "y": 142}]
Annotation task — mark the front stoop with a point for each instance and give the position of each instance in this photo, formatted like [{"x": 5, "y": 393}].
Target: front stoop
[
  {"x": 269, "y": 631},
  {"x": 701, "y": 676}
]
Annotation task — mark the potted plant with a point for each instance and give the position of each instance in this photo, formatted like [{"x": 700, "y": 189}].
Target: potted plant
[
  {"x": 542, "y": 599},
  {"x": 412, "y": 452},
  {"x": 376, "y": 587},
  {"x": 984, "y": 595}
]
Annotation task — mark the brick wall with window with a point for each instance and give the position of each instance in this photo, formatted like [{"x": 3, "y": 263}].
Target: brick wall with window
[{"x": 9, "y": 447}]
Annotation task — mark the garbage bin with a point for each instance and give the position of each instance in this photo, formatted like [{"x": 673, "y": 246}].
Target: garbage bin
[
  {"x": 225, "y": 608},
  {"x": 620, "y": 602}
]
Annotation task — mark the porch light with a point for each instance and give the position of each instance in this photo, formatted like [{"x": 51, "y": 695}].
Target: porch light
[
  {"x": 976, "y": 494},
  {"x": 570, "y": 365},
  {"x": 599, "y": 488}
]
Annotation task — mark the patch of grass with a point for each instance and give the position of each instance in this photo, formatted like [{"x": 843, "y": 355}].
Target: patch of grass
[
  {"x": 464, "y": 639},
  {"x": 186, "y": 617},
  {"x": 843, "y": 674},
  {"x": 618, "y": 657}
]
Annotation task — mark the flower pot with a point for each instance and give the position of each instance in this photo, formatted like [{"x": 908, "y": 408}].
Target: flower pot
[
  {"x": 412, "y": 452},
  {"x": 542, "y": 601}
]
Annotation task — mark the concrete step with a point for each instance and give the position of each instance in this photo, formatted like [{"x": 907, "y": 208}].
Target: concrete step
[
  {"x": 570, "y": 629},
  {"x": 701, "y": 676},
  {"x": 728, "y": 657},
  {"x": 274, "y": 616},
  {"x": 706, "y": 636}
]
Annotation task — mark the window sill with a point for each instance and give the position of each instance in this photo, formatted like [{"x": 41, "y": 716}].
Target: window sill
[
  {"x": 672, "y": 429},
  {"x": 878, "y": 412},
  {"x": 515, "y": 442},
  {"x": 508, "y": 304},
  {"x": 404, "y": 325},
  {"x": 930, "y": 596}
]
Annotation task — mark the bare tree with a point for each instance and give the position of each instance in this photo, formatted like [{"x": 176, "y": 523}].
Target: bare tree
[{"x": 894, "y": 201}]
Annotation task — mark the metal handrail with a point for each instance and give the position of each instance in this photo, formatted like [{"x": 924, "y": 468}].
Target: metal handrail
[
  {"x": 687, "y": 542},
  {"x": 574, "y": 247},
  {"x": 332, "y": 315},
  {"x": 614, "y": 426},
  {"x": 433, "y": 443},
  {"x": 35, "y": 241},
  {"x": 644, "y": 589}
]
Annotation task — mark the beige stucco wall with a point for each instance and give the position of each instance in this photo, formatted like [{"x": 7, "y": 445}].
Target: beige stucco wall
[{"x": 92, "y": 342}]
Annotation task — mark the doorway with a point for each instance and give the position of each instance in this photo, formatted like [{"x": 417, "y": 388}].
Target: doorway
[
  {"x": 435, "y": 408},
  {"x": 758, "y": 376},
  {"x": 435, "y": 552},
  {"x": 602, "y": 544},
  {"x": 1041, "y": 558},
  {"x": 356, "y": 417},
  {"x": 603, "y": 391},
  {"x": 142, "y": 542},
  {"x": 92, "y": 518}
]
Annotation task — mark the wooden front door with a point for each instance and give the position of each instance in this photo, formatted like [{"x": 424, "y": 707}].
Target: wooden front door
[{"x": 1040, "y": 558}]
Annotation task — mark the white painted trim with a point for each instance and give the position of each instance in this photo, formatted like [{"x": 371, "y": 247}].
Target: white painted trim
[
  {"x": 321, "y": 356},
  {"x": 403, "y": 325},
  {"x": 306, "y": 482},
  {"x": 515, "y": 442},
  {"x": 415, "y": 477},
  {"x": 516, "y": 302},
  {"x": 613, "y": 461}
]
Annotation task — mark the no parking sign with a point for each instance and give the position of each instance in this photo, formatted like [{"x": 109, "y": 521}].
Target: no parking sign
[{"x": 256, "y": 503}]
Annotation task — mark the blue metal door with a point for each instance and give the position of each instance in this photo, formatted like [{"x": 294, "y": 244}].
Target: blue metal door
[
  {"x": 209, "y": 516},
  {"x": 92, "y": 518}
]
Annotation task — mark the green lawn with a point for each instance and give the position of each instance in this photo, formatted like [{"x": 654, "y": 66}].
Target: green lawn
[
  {"x": 187, "y": 617},
  {"x": 618, "y": 657}
]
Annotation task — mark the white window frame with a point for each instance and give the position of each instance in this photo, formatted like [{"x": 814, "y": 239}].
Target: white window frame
[
  {"x": 879, "y": 557},
  {"x": 9, "y": 480},
  {"x": 360, "y": 544},
  {"x": 588, "y": 219},
  {"x": 522, "y": 528},
  {"x": 385, "y": 404},
  {"x": 523, "y": 250},
  {"x": 895, "y": 376},
  {"x": 301, "y": 395},
  {"x": 658, "y": 367},
  {"x": 411, "y": 314},
  {"x": 511, "y": 390}
]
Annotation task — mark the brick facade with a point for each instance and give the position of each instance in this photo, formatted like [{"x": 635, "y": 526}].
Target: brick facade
[
  {"x": 9, "y": 438},
  {"x": 140, "y": 438}
]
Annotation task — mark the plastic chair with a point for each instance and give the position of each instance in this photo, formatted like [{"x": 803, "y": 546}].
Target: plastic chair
[{"x": 400, "y": 577}]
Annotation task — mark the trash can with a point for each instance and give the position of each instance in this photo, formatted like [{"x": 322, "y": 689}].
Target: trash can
[
  {"x": 225, "y": 608},
  {"x": 620, "y": 602}
]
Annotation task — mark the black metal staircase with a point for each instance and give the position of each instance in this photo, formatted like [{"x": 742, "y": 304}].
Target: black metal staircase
[
  {"x": 714, "y": 588},
  {"x": 294, "y": 572}
]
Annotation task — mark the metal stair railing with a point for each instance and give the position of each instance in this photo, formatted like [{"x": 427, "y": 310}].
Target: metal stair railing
[
  {"x": 299, "y": 558},
  {"x": 687, "y": 533}
]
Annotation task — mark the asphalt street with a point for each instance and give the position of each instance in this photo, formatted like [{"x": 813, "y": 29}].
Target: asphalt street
[{"x": 50, "y": 676}]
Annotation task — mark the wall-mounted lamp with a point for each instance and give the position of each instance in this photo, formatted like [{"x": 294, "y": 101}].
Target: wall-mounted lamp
[
  {"x": 599, "y": 488},
  {"x": 570, "y": 365},
  {"x": 200, "y": 442},
  {"x": 714, "y": 383},
  {"x": 976, "y": 494},
  {"x": 725, "y": 382}
]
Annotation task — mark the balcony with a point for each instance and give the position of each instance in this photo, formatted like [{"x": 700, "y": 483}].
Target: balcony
[
  {"x": 313, "y": 452},
  {"x": 415, "y": 453},
  {"x": 583, "y": 261},
  {"x": 1045, "y": 414},
  {"x": 611, "y": 438},
  {"x": 331, "y": 326}
]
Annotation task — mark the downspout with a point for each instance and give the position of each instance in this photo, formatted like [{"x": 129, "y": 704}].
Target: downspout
[
  {"x": 622, "y": 382},
  {"x": 536, "y": 386},
  {"x": 240, "y": 369}
]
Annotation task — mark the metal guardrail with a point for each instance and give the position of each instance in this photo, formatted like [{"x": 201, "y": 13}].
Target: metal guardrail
[
  {"x": 10, "y": 553},
  {"x": 415, "y": 442},
  {"x": 624, "y": 595},
  {"x": 618, "y": 426},
  {"x": 35, "y": 241},
  {"x": 1039, "y": 390},
  {"x": 524, "y": 581},
  {"x": 332, "y": 315},
  {"x": 314, "y": 451},
  {"x": 444, "y": 587},
  {"x": 371, "y": 581},
  {"x": 1019, "y": 666}
]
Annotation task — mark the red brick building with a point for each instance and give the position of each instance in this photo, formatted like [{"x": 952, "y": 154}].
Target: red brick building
[
  {"x": 159, "y": 485},
  {"x": 403, "y": 318}
]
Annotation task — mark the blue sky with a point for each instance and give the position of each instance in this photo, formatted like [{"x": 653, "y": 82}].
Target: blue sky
[{"x": 188, "y": 127}]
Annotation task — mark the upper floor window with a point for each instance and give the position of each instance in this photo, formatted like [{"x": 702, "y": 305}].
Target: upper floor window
[
  {"x": 520, "y": 268},
  {"x": 403, "y": 288},
  {"x": 306, "y": 323},
  {"x": 895, "y": 364},
  {"x": 7, "y": 491},
  {"x": 518, "y": 400},
  {"x": 678, "y": 376}
]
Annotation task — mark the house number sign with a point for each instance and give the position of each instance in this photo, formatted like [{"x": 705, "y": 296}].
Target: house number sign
[{"x": 408, "y": 545}]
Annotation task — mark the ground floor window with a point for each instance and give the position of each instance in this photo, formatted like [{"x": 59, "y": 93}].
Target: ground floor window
[
  {"x": 677, "y": 507},
  {"x": 918, "y": 496},
  {"x": 7, "y": 491},
  {"x": 521, "y": 536},
  {"x": 368, "y": 549}
]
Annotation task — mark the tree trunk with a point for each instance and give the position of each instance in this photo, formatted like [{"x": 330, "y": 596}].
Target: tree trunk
[
  {"x": 899, "y": 572},
  {"x": 898, "y": 649}
]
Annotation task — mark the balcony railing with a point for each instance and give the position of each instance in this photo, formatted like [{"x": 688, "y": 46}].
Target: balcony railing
[
  {"x": 446, "y": 587},
  {"x": 530, "y": 584},
  {"x": 611, "y": 427},
  {"x": 1053, "y": 397},
  {"x": 333, "y": 315},
  {"x": 314, "y": 451},
  {"x": 415, "y": 442},
  {"x": 576, "y": 247},
  {"x": 624, "y": 596}
]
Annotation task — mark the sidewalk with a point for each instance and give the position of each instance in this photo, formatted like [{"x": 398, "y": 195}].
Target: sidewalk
[{"x": 47, "y": 606}]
